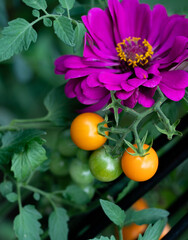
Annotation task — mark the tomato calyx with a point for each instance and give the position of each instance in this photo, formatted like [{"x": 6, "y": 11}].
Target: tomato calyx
[
  {"x": 102, "y": 129},
  {"x": 139, "y": 148}
]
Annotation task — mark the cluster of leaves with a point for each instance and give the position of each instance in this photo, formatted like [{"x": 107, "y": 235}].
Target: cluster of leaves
[
  {"x": 20, "y": 33},
  {"x": 27, "y": 154},
  {"x": 156, "y": 218}
]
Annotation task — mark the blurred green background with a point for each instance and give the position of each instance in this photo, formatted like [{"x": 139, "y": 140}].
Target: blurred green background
[{"x": 27, "y": 78}]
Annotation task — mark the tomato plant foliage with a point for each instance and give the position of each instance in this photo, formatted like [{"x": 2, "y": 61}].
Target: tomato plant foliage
[
  {"x": 26, "y": 224},
  {"x": 61, "y": 169},
  {"x": 24, "y": 163},
  {"x": 58, "y": 228}
]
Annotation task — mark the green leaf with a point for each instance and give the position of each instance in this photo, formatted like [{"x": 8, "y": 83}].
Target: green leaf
[
  {"x": 12, "y": 197},
  {"x": 16, "y": 37},
  {"x": 6, "y": 187},
  {"x": 104, "y": 238},
  {"x": 64, "y": 30},
  {"x": 36, "y": 196},
  {"x": 26, "y": 224},
  {"x": 68, "y": 4},
  {"x": 37, "y": 4},
  {"x": 59, "y": 10},
  {"x": 154, "y": 232},
  {"x": 76, "y": 195},
  {"x": 146, "y": 216},
  {"x": 61, "y": 110},
  {"x": 47, "y": 22},
  {"x": 114, "y": 212},
  {"x": 58, "y": 228},
  {"x": 79, "y": 35},
  {"x": 19, "y": 138},
  {"x": 14, "y": 141},
  {"x": 36, "y": 13},
  {"x": 24, "y": 163}
]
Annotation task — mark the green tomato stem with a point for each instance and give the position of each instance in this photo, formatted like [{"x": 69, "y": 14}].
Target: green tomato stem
[
  {"x": 41, "y": 192},
  {"x": 19, "y": 196},
  {"x": 163, "y": 117},
  {"x": 120, "y": 233},
  {"x": 139, "y": 116},
  {"x": 137, "y": 140},
  {"x": 17, "y": 124},
  {"x": 51, "y": 196}
]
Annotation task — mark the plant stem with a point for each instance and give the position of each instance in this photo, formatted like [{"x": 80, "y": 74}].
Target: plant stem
[
  {"x": 19, "y": 196},
  {"x": 44, "y": 16},
  {"x": 18, "y": 124},
  {"x": 18, "y": 121},
  {"x": 41, "y": 192},
  {"x": 50, "y": 196},
  {"x": 139, "y": 116},
  {"x": 120, "y": 233},
  {"x": 162, "y": 117},
  {"x": 137, "y": 139}
]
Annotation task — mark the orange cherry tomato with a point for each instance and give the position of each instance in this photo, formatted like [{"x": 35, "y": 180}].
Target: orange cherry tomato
[
  {"x": 140, "y": 204},
  {"x": 140, "y": 168},
  {"x": 132, "y": 231},
  {"x": 84, "y": 131}
]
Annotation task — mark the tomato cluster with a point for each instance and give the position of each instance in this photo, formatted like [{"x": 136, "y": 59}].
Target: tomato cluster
[
  {"x": 69, "y": 161},
  {"x": 105, "y": 167},
  {"x": 81, "y": 155}
]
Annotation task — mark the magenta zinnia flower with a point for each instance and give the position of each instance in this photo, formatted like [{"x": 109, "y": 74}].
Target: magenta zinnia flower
[{"x": 131, "y": 50}]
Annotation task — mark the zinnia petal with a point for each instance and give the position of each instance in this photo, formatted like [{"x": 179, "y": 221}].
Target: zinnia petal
[
  {"x": 97, "y": 106},
  {"x": 145, "y": 97},
  {"x": 99, "y": 25},
  {"x": 171, "y": 93},
  {"x": 175, "y": 79}
]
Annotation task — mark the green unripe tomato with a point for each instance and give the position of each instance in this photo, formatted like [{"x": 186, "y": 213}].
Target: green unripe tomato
[
  {"x": 59, "y": 165},
  {"x": 80, "y": 172},
  {"x": 66, "y": 146},
  {"x": 89, "y": 189},
  {"x": 103, "y": 166}
]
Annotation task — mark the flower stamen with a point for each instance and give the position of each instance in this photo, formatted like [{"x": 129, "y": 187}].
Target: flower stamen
[{"x": 134, "y": 51}]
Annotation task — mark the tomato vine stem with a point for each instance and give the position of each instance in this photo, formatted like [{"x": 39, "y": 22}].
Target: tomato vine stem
[{"x": 138, "y": 117}]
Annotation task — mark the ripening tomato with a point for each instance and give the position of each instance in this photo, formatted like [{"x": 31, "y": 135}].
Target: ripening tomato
[
  {"x": 103, "y": 166},
  {"x": 84, "y": 131},
  {"x": 139, "y": 168}
]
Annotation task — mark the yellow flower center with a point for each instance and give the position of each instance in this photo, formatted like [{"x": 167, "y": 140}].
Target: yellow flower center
[{"x": 134, "y": 51}]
